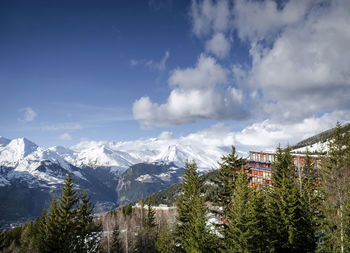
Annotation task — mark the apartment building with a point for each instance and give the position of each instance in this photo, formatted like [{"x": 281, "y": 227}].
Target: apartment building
[{"x": 260, "y": 163}]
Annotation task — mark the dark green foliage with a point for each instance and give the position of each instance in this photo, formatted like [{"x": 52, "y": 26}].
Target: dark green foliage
[
  {"x": 335, "y": 188},
  {"x": 240, "y": 222},
  {"x": 145, "y": 241},
  {"x": 150, "y": 220},
  {"x": 290, "y": 225},
  {"x": 10, "y": 239},
  {"x": 247, "y": 220},
  {"x": 225, "y": 181},
  {"x": 192, "y": 233},
  {"x": 64, "y": 227},
  {"x": 166, "y": 241},
  {"x": 84, "y": 224},
  {"x": 127, "y": 210}
]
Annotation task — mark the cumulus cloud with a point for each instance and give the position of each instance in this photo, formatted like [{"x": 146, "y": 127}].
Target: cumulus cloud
[
  {"x": 209, "y": 16},
  {"x": 257, "y": 20},
  {"x": 218, "y": 135},
  {"x": 166, "y": 135},
  {"x": 28, "y": 114},
  {"x": 306, "y": 71},
  {"x": 196, "y": 94},
  {"x": 218, "y": 45},
  {"x": 299, "y": 52},
  {"x": 65, "y": 137},
  {"x": 267, "y": 134}
]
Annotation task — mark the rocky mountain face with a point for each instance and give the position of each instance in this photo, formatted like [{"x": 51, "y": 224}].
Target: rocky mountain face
[
  {"x": 144, "y": 179},
  {"x": 113, "y": 173}
]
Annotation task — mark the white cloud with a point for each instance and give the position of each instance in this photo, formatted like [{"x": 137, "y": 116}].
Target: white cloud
[
  {"x": 65, "y": 137},
  {"x": 306, "y": 71},
  {"x": 166, "y": 135},
  {"x": 256, "y": 20},
  {"x": 62, "y": 127},
  {"x": 28, "y": 114},
  {"x": 267, "y": 134},
  {"x": 196, "y": 94},
  {"x": 218, "y": 45},
  {"x": 209, "y": 16},
  {"x": 151, "y": 64},
  {"x": 218, "y": 135},
  {"x": 205, "y": 75}
]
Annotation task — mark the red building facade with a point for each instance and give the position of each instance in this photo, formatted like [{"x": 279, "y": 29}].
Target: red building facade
[{"x": 260, "y": 163}]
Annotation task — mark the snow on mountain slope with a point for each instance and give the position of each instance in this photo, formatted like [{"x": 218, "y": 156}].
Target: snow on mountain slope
[
  {"x": 151, "y": 150},
  {"x": 316, "y": 147},
  {"x": 25, "y": 157},
  {"x": 16, "y": 150},
  {"x": 97, "y": 154}
]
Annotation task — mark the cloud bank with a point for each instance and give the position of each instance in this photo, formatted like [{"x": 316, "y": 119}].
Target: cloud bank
[
  {"x": 197, "y": 93},
  {"x": 297, "y": 81}
]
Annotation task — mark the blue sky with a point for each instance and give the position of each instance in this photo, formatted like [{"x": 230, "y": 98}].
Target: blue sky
[{"x": 260, "y": 71}]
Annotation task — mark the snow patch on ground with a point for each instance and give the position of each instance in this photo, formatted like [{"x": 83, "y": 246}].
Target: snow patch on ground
[{"x": 146, "y": 178}]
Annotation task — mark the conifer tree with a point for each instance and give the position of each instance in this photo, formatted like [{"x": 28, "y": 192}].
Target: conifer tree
[
  {"x": 247, "y": 223},
  {"x": 192, "y": 233},
  {"x": 311, "y": 196},
  {"x": 145, "y": 241},
  {"x": 67, "y": 212},
  {"x": 150, "y": 220},
  {"x": 240, "y": 221},
  {"x": 290, "y": 226},
  {"x": 335, "y": 187},
  {"x": 85, "y": 240},
  {"x": 165, "y": 242},
  {"x": 225, "y": 186},
  {"x": 260, "y": 226},
  {"x": 142, "y": 211},
  {"x": 51, "y": 229}
]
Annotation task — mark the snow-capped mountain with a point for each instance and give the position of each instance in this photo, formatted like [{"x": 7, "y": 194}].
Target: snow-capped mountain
[
  {"x": 30, "y": 175},
  {"x": 25, "y": 156},
  {"x": 125, "y": 154}
]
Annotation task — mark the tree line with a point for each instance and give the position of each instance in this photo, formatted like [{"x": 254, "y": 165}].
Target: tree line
[{"x": 304, "y": 210}]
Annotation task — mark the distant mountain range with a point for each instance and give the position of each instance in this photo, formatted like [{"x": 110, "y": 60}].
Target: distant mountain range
[{"x": 113, "y": 173}]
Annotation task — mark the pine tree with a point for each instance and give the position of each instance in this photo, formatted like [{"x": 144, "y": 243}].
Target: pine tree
[
  {"x": 239, "y": 222},
  {"x": 311, "y": 196},
  {"x": 335, "y": 187},
  {"x": 290, "y": 226},
  {"x": 85, "y": 240},
  {"x": 247, "y": 219},
  {"x": 259, "y": 228},
  {"x": 150, "y": 220},
  {"x": 2, "y": 239},
  {"x": 51, "y": 229},
  {"x": 142, "y": 211},
  {"x": 166, "y": 241},
  {"x": 192, "y": 233},
  {"x": 145, "y": 241},
  {"x": 67, "y": 212},
  {"x": 225, "y": 186}
]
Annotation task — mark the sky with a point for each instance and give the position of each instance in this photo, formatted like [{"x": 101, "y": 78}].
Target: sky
[{"x": 230, "y": 72}]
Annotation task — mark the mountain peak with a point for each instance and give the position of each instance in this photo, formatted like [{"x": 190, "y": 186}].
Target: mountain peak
[{"x": 22, "y": 147}]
